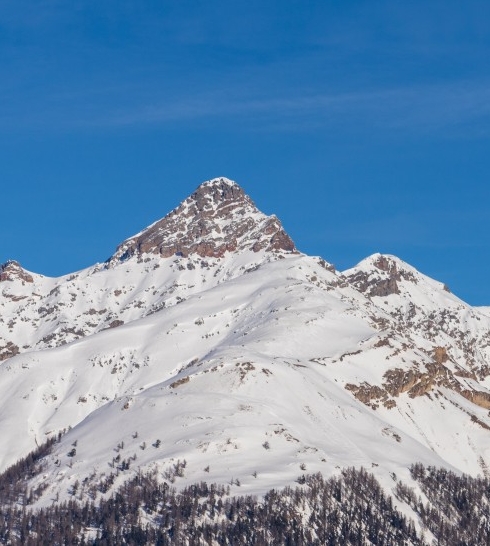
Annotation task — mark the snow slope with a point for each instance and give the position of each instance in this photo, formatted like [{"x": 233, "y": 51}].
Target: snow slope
[{"x": 237, "y": 354}]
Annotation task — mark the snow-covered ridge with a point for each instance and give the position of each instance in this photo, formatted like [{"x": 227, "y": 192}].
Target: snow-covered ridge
[
  {"x": 216, "y": 234},
  {"x": 208, "y": 337}
]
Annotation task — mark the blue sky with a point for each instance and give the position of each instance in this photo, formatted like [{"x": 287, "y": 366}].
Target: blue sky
[{"x": 364, "y": 125}]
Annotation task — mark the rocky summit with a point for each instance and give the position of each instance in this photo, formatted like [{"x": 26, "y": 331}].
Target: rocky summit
[
  {"x": 217, "y": 218},
  {"x": 12, "y": 270}
]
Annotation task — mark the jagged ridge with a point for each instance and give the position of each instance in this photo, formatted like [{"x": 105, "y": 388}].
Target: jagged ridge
[{"x": 217, "y": 218}]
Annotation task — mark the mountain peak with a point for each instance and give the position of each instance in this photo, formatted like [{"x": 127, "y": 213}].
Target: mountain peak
[
  {"x": 220, "y": 182},
  {"x": 12, "y": 270},
  {"x": 216, "y": 194},
  {"x": 218, "y": 217},
  {"x": 380, "y": 274},
  {"x": 384, "y": 274}
]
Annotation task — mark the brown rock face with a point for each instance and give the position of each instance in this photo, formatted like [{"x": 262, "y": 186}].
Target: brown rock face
[
  {"x": 11, "y": 270},
  {"x": 8, "y": 350},
  {"x": 217, "y": 218},
  {"x": 440, "y": 355},
  {"x": 382, "y": 285}
]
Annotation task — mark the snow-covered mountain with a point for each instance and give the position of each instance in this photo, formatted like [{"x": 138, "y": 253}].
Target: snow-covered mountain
[{"x": 209, "y": 338}]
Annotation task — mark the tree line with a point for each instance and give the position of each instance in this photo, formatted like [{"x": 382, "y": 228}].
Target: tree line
[{"x": 348, "y": 509}]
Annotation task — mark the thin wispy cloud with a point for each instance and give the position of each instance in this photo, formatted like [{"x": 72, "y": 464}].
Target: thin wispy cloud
[
  {"x": 427, "y": 108},
  {"x": 299, "y": 70},
  {"x": 422, "y": 107}
]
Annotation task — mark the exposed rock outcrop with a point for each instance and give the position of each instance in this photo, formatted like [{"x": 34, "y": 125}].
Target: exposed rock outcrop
[
  {"x": 8, "y": 350},
  {"x": 12, "y": 270},
  {"x": 417, "y": 382},
  {"x": 383, "y": 280},
  {"x": 217, "y": 218}
]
